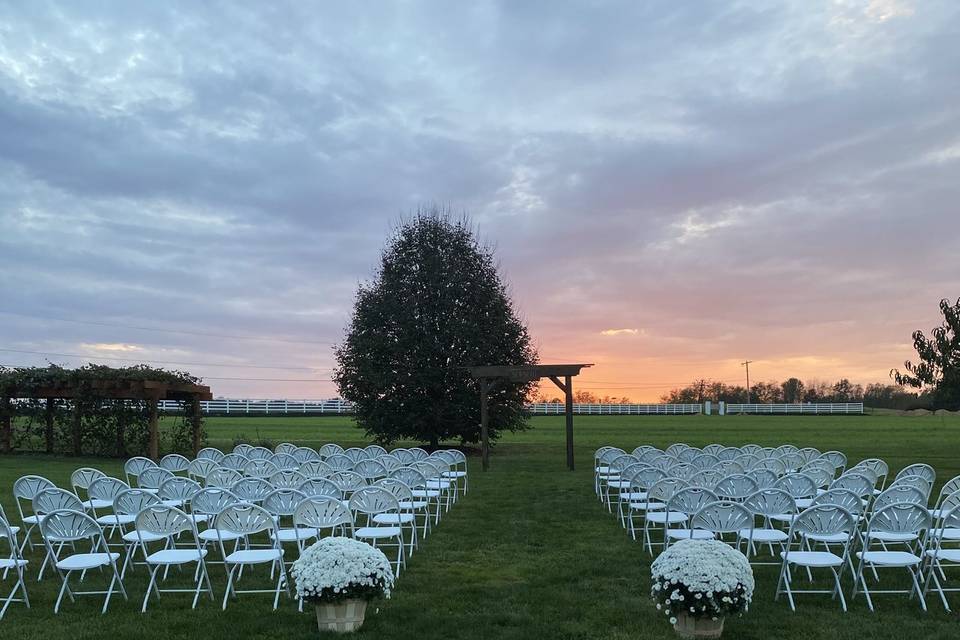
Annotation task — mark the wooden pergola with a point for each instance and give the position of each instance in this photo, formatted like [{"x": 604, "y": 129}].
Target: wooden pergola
[
  {"x": 149, "y": 391},
  {"x": 489, "y": 375}
]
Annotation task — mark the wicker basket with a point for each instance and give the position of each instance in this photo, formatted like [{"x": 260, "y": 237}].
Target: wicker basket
[
  {"x": 689, "y": 627},
  {"x": 341, "y": 617}
]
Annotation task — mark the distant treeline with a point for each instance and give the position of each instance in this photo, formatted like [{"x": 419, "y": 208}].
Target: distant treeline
[{"x": 792, "y": 390}]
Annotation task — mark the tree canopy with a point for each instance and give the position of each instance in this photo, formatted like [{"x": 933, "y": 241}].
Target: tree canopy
[
  {"x": 939, "y": 359},
  {"x": 435, "y": 306}
]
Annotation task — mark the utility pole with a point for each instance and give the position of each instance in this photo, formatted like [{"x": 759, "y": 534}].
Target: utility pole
[{"x": 747, "y": 365}]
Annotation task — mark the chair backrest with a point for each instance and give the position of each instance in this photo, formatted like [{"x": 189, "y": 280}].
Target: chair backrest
[
  {"x": 223, "y": 477},
  {"x": 859, "y": 483},
  {"x": 321, "y": 487},
  {"x": 133, "y": 467},
  {"x": 259, "y": 468},
  {"x": 252, "y": 489},
  {"x": 748, "y": 461},
  {"x": 925, "y": 471},
  {"x": 374, "y": 450},
  {"x": 322, "y": 512},
  {"x": 950, "y": 486},
  {"x": 707, "y": 478},
  {"x": 918, "y": 482},
  {"x": 809, "y": 454},
  {"x": 398, "y": 488},
  {"x": 315, "y": 469},
  {"x": 736, "y": 487},
  {"x": 244, "y": 519},
  {"x": 689, "y": 500},
  {"x": 234, "y": 461},
  {"x": 354, "y": 454},
  {"x": 821, "y": 476},
  {"x": 763, "y": 477},
  {"x": 69, "y": 525},
  {"x": 662, "y": 490},
  {"x": 824, "y": 520},
  {"x": 676, "y": 448},
  {"x": 339, "y": 462},
  {"x": 390, "y": 462},
  {"x": 330, "y": 449},
  {"x": 837, "y": 458},
  {"x": 410, "y": 477},
  {"x": 900, "y": 517},
  {"x": 165, "y": 521},
  {"x": 713, "y": 449},
  {"x": 729, "y": 453},
  {"x": 259, "y": 453},
  {"x": 771, "y": 464},
  {"x": 174, "y": 462},
  {"x": 285, "y": 447},
  {"x": 770, "y": 502},
  {"x": 722, "y": 517},
  {"x": 243, "y": 449},
  {"x": 283, "y": 502},
  {"x": 798, "y": 485},
  {"x": 845, "y": 498},
  {"x": 285, "y": 461},
  {"x": 130, "y": 502},
  {"x": 153, "y": 477},
  {"x": 287, "y": 479},
  {"x": 791, "y": 461},
  {"x": 106, "y": 488},
  {"x": 178, "y": 489},
  {"x": 418, "y": 453},
  {"x": 201, "y": 467},
  {"x": 6, "y": 533},
  {"x": 751, "y": 449},
  {"x": 210, "y": 453},
  {"x": 26, "y": 487},
  {"x": 348, "y": 481},
  {"x": 82, "y": 477},
  {"x": 900, "y": 493},
  {"x": 682, "y": 470},
  {"x": 405, "y": 457},
  {"x": 373, "y": 500},
  {"x": 729, "y": 467},
  {"x": 212, "y": 500},
  {"x": 54, "y": 499},
  {"x": 305, "y": 454},
  {"x": 370, "y": 469},
  {"x": 876, "y": 465}
]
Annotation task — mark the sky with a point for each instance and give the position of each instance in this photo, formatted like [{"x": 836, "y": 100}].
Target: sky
[{"x": 671, "y": 188}]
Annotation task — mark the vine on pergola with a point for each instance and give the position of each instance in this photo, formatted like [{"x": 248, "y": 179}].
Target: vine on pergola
[{"x": 98, "y": 410}]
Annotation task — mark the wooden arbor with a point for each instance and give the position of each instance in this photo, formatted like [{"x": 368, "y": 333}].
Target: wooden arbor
[
  {"x": 150, "y": 391},
  {"x": 488, "y": 376}
]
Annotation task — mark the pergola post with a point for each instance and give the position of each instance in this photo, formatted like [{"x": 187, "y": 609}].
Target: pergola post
[
  {"x": 48, "y": 426},
  {"x": 484, "y": 424},
  {"x": 6, "y": 426},
  {"x": 77, "y": 429},
  {"x": 569, "y": 409},
  {"x": 154, "y": 446},
  {"x": 195, "y": 421}
]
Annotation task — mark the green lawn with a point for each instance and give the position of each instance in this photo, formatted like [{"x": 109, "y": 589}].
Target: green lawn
[{"x": 529, "y": 552}]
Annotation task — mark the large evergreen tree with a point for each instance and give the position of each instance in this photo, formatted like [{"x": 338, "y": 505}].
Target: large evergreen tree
[
  {"x": 436, "y": 306},
  {"x": 938, "y": 368}
]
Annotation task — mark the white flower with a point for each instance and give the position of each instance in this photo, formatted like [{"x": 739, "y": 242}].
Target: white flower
[
  {"x": 339, "y": 564},
  {"x": 673, "y": 621}
]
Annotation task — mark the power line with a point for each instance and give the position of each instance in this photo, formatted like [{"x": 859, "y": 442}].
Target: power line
[
  {"x": 177, "y": 362},
  {"x": 159, "y": 330}
]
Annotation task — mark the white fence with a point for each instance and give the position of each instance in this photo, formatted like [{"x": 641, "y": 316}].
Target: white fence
[
  {"x": 815, "y": 408},
  {"x": 556, "y": 408}
]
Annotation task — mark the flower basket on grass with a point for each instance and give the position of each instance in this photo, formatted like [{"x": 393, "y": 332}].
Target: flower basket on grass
[
  {"x": 339, "y": 576},
  {"x": 697, "y": 583}
]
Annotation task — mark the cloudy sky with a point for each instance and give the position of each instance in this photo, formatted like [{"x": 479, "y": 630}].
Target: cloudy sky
[{"x": 671, "y": 187}]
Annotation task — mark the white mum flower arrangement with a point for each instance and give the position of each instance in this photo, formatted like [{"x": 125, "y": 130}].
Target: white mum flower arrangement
[
  {"x": 701, "y": 579},
  {"x": 337, "y": 569}
]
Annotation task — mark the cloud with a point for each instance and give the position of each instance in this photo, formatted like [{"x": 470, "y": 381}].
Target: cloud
[
  {"x": 619, "y": 332},
  {"x": 107, "y": 346}
]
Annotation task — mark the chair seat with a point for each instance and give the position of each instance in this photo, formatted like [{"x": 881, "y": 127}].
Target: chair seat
[
  {"x": 633, "y": 496},
  {"x": 377, "y": 532},
  {"x": 13, "y": 529},
  {"x": 10, "y": 563},
  {"x": 889, "y": 558},
  {"x": 300, "y": 533},
  {"x": 176, "y": 556},
  {"x": 393, "y": 518},
  {"x": 783, "y": 517},
  {"x": 133, "y": 536},
  {"x": 86, "y": 561},
  {"x": 803, "y": 503},
  {"x": 210, "y": 535},
  {"x": 441, "y": 485},
  {"x": 828, "y": 538},
  {"x": 31, "y": 520},
  {"x": 200, "y": 518},
  {"x": 950, "y": 555},
  {"x": 889, "y": 536},
  {"x": 648, "y": 506},
  {"x": 812, "y": 558},
  {"x": 416, "y": 505},
  {"x": 684, "y": 534},
  {"x": 948, "y": 534},
  {"x": 153, "y": 490},
  {"x": 454, "y": 474},
  {"x": 425, "y": 493},
  {"x": 172, "y": 503},
  {"x": 601, "y": 470},
  {"x": 113, "y": 520},
  {"x": 94, "y": 503},
  {"x": 764, "y": 535},
  {"x": 661, "y": 517},
  {"x": 254, "y": 556}
]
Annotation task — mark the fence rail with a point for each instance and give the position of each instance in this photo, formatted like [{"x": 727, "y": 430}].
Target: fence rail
[
  {"x": 815, "y": 408},
  {"x": 555, "y": 408}
]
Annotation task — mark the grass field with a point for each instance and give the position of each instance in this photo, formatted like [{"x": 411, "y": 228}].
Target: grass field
[{"x": 529, "y": 552}]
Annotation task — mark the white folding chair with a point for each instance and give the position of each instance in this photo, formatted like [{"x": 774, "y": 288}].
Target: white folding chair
[
  {"x": 73, "y": 526},
  {"x": 287, "y": 479},
  {"x": 205, "y": 505},
  {"x": 80, "y": 481},
  {"x": 223, "y": 478},
  {"x": 417, "y": 482},
  {"x": 243, "y": 449},
  {"x": 371, "y": 502},
  {"x": 321, "y": 487},
  {"x": 323, "y": 512},
  {"x": 259, "y": 453},
  {"x": 305, "y": 454},
  {"x": 826, "y": 519},
  {"x": 15, "y": 561},
  {"x": 25, "y": 488},
  {"x": 285, "y": 447},
  {"x": 174, "y": 463},
  {"x": 687, "y": 502},
  {"x": 50, "y": 500},
  {"x": 252, "y": 490},
  {"x": 409, "y": 508},
  {"x": 234, "y": 461},
  {"x": 655, "y": 513},
  {"x": 177, "y": 491},
  {"x": 722, "y": 517},
  {"x": 243, "y": 520},
  {"x": 163, "y": 521},
  {"x": 764, "y": 504},
  {"x": 210, "y": 453},
  {"x": 259, "y": 468},
  {"x": 151, "y": 478},
  {"x": 330, "y": 449},
  {"x": 283, "y": 503},
  {"x": 939, "y": 556},
  {"x": 133, "y": 467},
  {"x": 103, "y": 491},
  {"x": 200, "y": 468},
  {"x": 902, "y": 518},
  {"x": 126, "y": 505},
  {"x": 315, "y": 469},
  {"x": 737, "y": 487}
]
